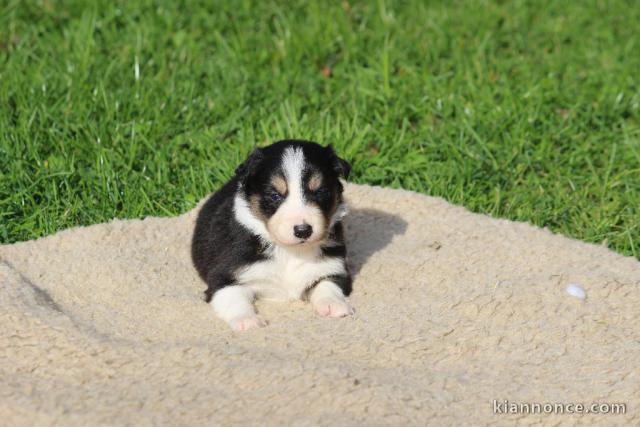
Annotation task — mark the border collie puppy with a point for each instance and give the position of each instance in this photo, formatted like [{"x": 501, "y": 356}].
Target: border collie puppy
[{"x": 274, "y": 231}]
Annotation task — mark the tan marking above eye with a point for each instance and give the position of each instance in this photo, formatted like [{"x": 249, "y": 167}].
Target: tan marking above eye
[
  {"x": 280, "y": 184},
  {"x": 315, "y": 181}
]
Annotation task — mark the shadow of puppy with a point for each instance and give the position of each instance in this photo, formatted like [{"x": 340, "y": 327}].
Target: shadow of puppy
[{"x": 367, "y": 232}]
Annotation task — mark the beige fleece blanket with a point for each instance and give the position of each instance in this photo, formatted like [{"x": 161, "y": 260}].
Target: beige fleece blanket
[{"x": 105, "y": 325}]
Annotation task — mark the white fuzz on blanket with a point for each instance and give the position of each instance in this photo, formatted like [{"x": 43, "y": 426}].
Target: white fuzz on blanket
[{"x": 576, "y": 291}]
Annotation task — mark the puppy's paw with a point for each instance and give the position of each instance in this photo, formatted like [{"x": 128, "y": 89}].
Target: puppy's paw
[
  {"x": 245, "y": 323},
  {"x": 333, "y": 307}
]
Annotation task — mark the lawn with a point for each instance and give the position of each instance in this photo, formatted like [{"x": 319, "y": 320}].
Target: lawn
[{"x": 523, "y": 110}]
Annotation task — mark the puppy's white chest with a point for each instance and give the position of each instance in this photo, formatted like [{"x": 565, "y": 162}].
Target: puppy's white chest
[{"x": 286, "y": 275}]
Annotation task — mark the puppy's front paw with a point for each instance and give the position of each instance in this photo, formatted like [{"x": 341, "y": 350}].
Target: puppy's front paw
[
  {"x": 333, "y": 307},
  {"x": 247, "y": 322}
]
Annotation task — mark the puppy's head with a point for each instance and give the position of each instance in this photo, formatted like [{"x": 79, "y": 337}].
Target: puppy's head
[{"x": 294, "y": 189}]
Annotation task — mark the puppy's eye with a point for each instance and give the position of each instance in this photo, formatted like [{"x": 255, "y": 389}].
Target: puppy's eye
[
  {"x": 320, "y": 192},
  {"x": 275, "y": 196}
]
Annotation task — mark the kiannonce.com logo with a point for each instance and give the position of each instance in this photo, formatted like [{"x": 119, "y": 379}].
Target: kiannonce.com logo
[{"x": 507, "y": 407}]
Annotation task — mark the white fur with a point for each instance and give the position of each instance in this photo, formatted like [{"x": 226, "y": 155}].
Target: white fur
[
  {"x": 244, "y": 216},
  {"x": 340, "y": 213},
  {"x": 292, "y": 166},
  {"x": 285, "y": 276},
  {"x": 234, "y": 305},
  {"x": 289, "y": 272},
  {"x": 329, "y": 301}
]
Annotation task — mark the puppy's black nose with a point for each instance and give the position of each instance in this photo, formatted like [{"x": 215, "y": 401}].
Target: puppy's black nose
[{"x": 302, "y": 231}]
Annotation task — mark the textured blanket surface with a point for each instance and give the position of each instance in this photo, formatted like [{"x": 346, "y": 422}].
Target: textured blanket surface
[{"x": 105, "y": 325}]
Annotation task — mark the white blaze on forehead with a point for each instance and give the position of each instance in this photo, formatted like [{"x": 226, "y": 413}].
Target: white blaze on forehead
[{"x": 293, "y": 167}]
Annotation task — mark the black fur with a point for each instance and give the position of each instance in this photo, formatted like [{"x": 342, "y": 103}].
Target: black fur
[
  {"x": 337, "y": 248},
  {"x": 221, "y": 245},
  {"x": 343, "y": 281}
]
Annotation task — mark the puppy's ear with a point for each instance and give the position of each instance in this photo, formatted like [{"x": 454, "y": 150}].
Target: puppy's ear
[
  {"x": 341, "y": 166},
  {"x": 249, "y": 166}
]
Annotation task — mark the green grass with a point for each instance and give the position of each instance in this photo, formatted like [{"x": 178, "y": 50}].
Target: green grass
[{"x": 523, "y": 110}]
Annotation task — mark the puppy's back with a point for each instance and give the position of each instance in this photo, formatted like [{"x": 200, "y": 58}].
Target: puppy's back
[{"x": 212, "y": 228}]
